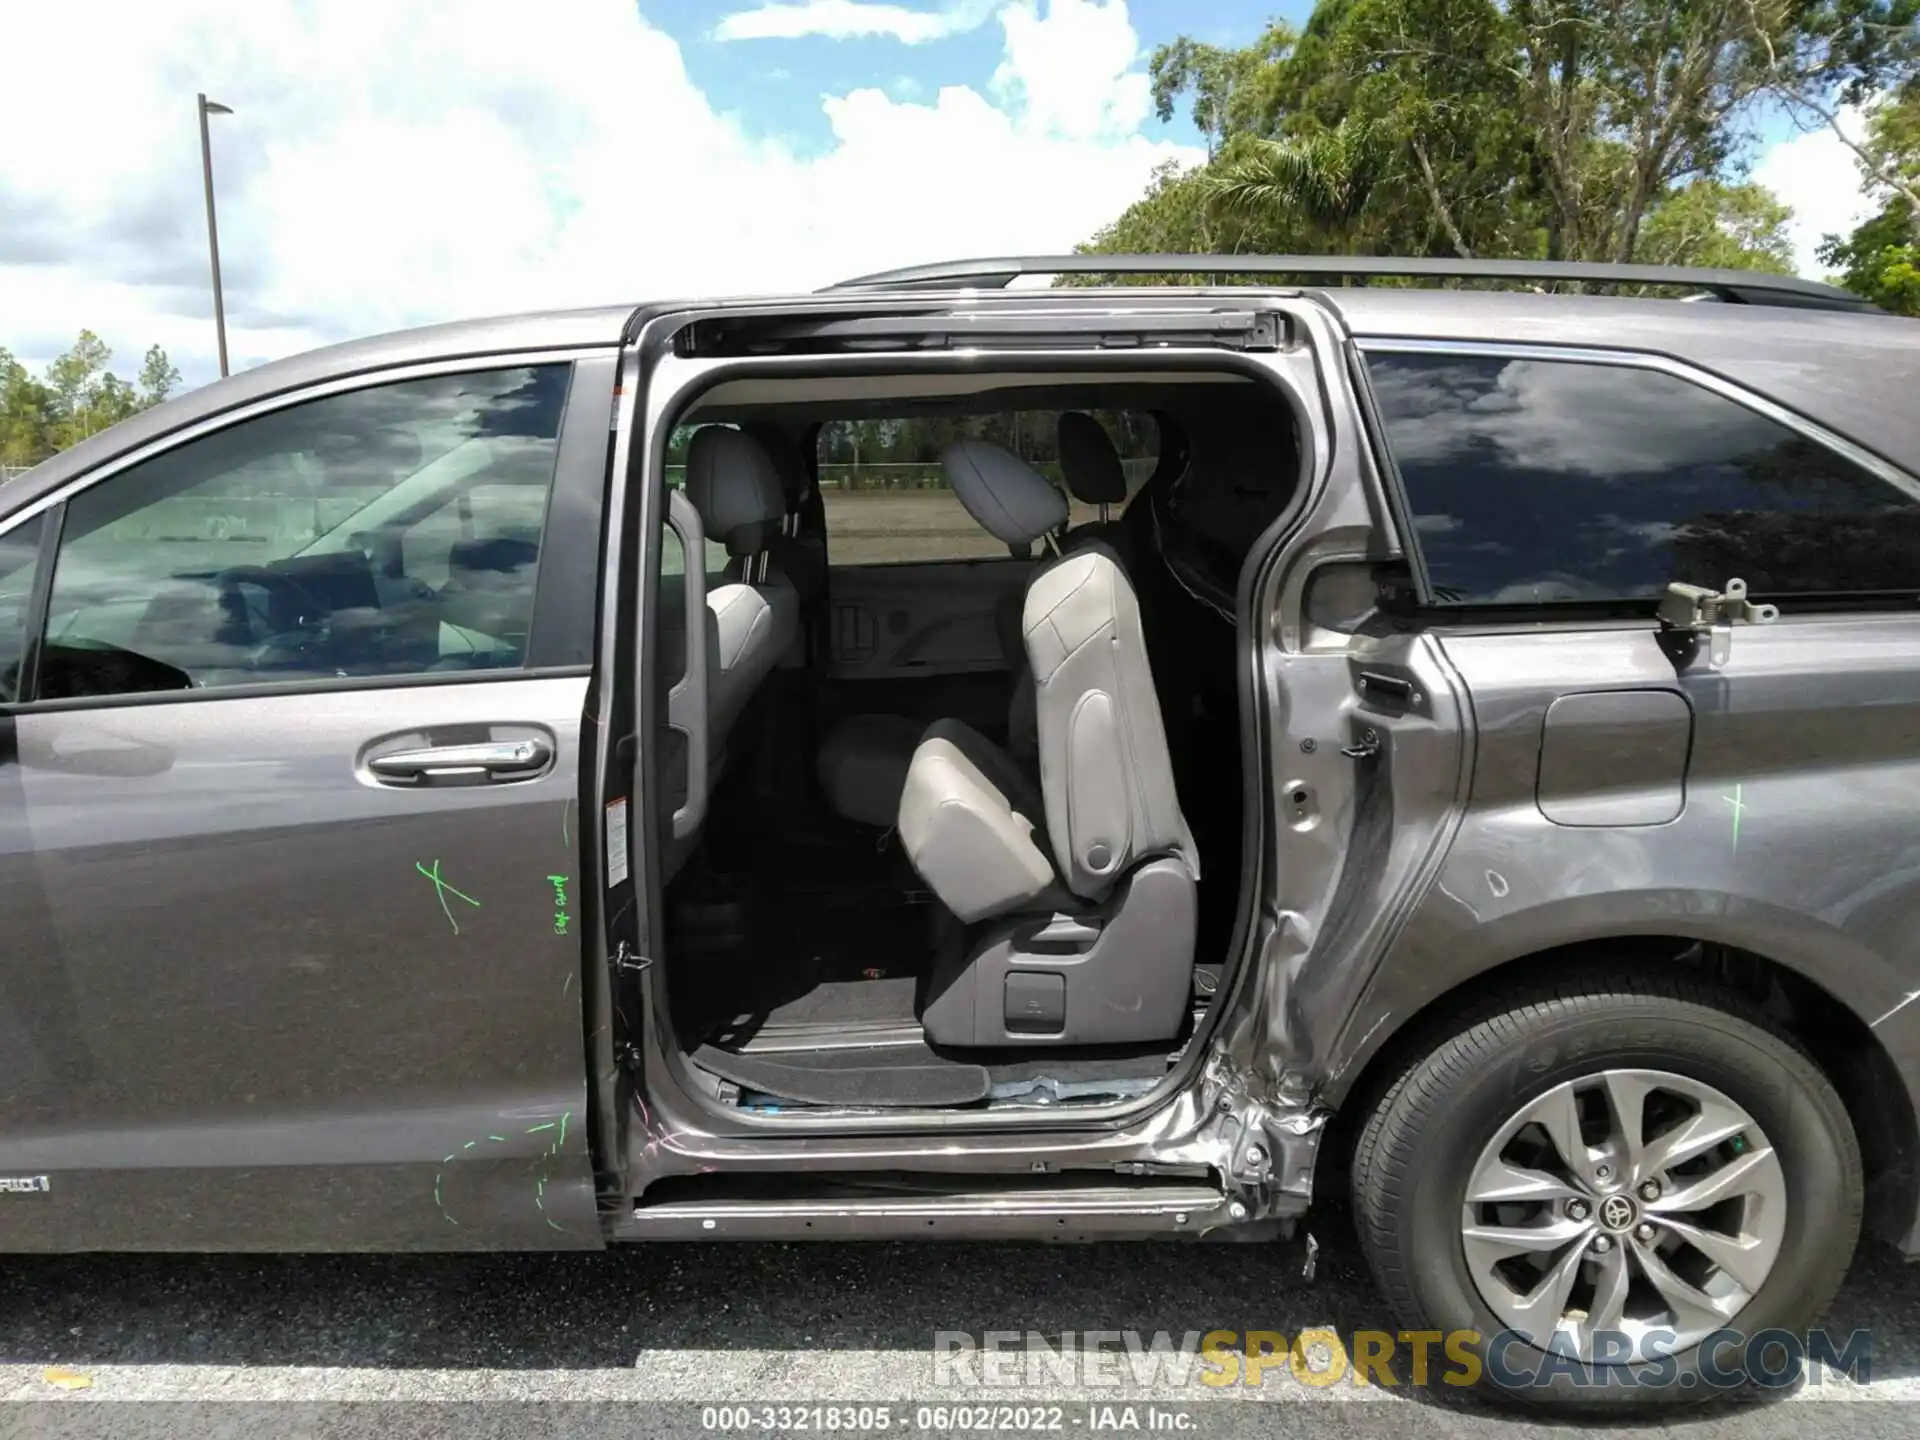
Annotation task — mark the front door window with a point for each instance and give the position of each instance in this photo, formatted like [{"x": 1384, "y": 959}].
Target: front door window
[{"x": 387, "y": 531}]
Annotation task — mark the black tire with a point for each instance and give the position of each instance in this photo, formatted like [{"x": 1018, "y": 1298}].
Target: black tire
[{"x": 1414, "y": 1157}]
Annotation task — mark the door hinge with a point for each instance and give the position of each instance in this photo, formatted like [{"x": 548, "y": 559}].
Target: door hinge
[
  {"x": 1696, "y": 610},
  {"x": 626, "y": 958}
]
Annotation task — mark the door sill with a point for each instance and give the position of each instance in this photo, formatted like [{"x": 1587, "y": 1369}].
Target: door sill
[{"x": 1067, "y": 1213}]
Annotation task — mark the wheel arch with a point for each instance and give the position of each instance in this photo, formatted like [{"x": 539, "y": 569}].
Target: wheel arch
[{"x": 1879, "y": 1097}]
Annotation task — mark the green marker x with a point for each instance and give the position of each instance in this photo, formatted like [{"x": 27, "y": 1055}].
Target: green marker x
[
  {"x": 1739, "y": 804},
  {"x": 442, "y": 889}
]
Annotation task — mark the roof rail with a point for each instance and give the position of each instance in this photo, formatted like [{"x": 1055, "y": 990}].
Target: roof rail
[{"x": 1745, "y": 287}]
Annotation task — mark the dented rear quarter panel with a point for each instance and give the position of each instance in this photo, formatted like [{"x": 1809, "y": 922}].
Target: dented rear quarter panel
[
  {"x": 1794, "y": 834},
  {"x": 1796, "y": 839}
]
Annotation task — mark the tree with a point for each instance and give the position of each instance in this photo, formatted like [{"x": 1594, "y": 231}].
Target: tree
[
  {"x": 24, "y": 407},
  {"x": 1847, "y": 53},
  {"x": 1560, "y": 129},
  {"x": 1230, "y": 88},
  {"x": 1881, "y": 258},
  {"x": 1179, "y": 213},
  {"x": 74, "y": 378},
  {"x": 158, "y": 377},
  {"x": 77, "y": 396},
  {"x": 1323, "y": 181},
  {"x": 1711, "y": 222}
]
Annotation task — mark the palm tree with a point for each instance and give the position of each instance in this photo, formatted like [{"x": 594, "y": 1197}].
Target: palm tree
[{"x": 1323, "y": 180}]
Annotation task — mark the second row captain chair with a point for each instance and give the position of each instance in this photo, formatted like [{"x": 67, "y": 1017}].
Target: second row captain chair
[
  {"x": 753, "y": 621},
  {"x": 1077, "y": 893},
  {"x": 863, "y": 760},
  {"x": 1095, "y": 476}
]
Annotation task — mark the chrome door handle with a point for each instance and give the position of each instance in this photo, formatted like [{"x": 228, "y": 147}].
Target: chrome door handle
[{"x": 489, "y": 760}]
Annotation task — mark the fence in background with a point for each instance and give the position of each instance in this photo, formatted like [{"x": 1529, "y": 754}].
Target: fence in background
[
  {"x": 856, "y": 478},
  {"x": 894, "y": 477}
]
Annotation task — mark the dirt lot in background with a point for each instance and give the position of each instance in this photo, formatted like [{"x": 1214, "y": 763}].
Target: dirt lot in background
[{"x": 872, "y": 527}]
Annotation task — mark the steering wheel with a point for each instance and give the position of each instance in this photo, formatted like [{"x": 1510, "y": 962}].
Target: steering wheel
[{"x": 286, "y": 597}]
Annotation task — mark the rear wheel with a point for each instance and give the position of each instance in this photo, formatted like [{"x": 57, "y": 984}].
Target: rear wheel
[{"x": 1616, "y": 1185}]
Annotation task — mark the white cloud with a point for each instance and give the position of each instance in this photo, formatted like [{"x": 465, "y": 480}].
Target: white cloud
[
  {"x": 1073, "y": 70},
  {"x": 1817, "y": 175},
  {"x": 852, "y": 20},
  {"x": 399, "y": 164}
]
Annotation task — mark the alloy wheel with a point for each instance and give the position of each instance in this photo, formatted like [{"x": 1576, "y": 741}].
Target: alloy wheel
[{"x": 1628, "y": 1202}]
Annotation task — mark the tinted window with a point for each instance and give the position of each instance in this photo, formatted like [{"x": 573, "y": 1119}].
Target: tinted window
[
  {"x": 1541, "y": 480},
  {"x": 386, "y": 531}
]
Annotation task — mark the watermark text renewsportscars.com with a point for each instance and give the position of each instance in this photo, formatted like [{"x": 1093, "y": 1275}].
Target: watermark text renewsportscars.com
[{"x": 1320, "y": 1358}]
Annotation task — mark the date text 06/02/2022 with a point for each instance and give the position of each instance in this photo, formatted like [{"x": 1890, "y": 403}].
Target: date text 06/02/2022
[{"x": 944, "y": 1419}]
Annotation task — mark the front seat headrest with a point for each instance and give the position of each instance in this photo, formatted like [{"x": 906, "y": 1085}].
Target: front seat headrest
[
  {"x": 1013, "y": 502},
  {"x": 1090, "y": 461},
  {"x": 732, "y": 482}
]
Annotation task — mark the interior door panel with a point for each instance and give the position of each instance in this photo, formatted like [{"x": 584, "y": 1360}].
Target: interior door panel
[{"x": 906, "y": 622}]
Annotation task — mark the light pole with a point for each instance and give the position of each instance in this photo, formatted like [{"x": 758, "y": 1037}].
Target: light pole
[{"x": 213, "y": 107}]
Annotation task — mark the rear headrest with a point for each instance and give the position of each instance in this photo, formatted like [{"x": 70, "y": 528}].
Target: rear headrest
[
  {"x": 1013, "y": 502},
  {"x": 732, "y": 482},
  {"x": 1089, "y": 460}
]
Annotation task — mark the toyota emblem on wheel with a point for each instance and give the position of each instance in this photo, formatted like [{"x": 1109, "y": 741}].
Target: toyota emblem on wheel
[{"x": 1616, "y": 1212}]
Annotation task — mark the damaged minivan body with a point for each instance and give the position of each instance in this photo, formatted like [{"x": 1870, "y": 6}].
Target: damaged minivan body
[
  {"x": 1242, "y": 746},
  {"x": 1228, "y": 1138}
]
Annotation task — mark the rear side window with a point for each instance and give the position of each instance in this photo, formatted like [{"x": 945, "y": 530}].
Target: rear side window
[
  {"x": 1532, "y": 481},
  {"x": 887, "y": 499}
]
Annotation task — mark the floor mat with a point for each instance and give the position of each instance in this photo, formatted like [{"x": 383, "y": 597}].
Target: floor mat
[
  {"x": 811, "y": 959},
  {"x": 851, "y": 1078},
  {"x": 887, "y": 997}
]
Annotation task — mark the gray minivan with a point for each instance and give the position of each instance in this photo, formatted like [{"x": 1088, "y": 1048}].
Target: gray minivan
[{"x": 942, "y": 757}]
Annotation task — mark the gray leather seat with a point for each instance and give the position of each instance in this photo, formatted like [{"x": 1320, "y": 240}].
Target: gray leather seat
[
  {"x": 863, "y": 761},
  {"x": 1090, "y": 462},
  {"x": 1080, "y": 891},
  {"x": 753, "y": 620}
]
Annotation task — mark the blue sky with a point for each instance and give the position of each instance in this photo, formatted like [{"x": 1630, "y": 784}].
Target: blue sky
[
  {"x": 775, "y": 84},
  {"x": 398, "y": 163}
]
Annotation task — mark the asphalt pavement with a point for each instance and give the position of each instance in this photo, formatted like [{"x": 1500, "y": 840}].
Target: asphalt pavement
[{"x": 781, "y": 1339}]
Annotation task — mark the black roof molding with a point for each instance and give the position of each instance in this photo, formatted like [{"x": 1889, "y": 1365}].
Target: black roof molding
[{"x": 1744, "y": 287}]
